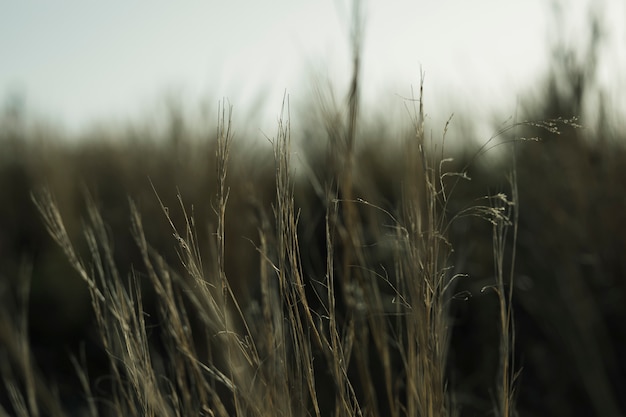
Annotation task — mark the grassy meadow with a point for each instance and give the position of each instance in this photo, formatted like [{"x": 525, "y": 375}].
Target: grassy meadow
[{"x": 333, "y": 270}]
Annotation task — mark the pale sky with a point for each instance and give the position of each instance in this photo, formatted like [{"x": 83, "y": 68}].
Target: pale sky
[{"x": 78, "y": 62}]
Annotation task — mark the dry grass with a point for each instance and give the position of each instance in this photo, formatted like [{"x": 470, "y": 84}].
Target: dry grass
[
  {"x": 356, "y": 340},
  {"x": 361, "y": 338},
  {"x": 328, "y": 292},
  {"x": 366, "y": 331}
]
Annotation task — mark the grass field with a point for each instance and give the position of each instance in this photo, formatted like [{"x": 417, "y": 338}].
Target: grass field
[{"x": 333, "y": 270}]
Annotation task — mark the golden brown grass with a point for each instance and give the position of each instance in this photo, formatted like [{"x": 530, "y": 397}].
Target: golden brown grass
[
  {"x": 380, "y": 340},
  {"x": 364, "y": 331}
]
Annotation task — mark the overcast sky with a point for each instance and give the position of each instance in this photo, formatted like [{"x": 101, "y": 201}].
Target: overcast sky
[{"x": 79, "y": 61}]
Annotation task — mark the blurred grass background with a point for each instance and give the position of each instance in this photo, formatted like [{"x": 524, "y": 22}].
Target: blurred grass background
[{"x": 570, "y": 294}]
